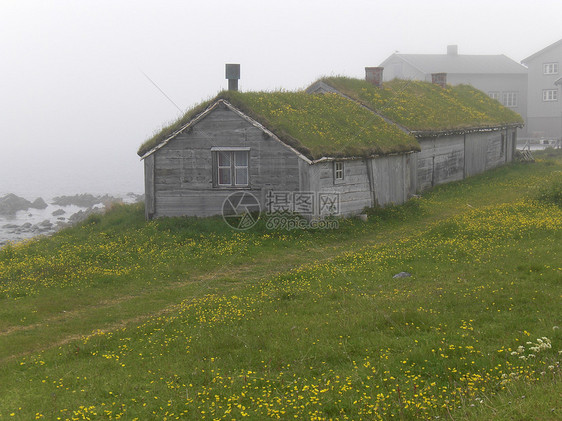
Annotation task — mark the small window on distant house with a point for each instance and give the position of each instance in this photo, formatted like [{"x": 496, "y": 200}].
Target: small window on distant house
[
  {"x": 230, "y": 167},
  {"x": 509, "y": 99},
  {"x": 338, "y": 170},
  {"x": 550, "y": 68},
  {"x": 550, "y": 95},
  {"x": 494, "y": 95}
]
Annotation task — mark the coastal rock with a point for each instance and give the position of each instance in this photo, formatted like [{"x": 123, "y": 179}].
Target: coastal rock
[
  {"x": 83, "y": 214},
  {"x": 10, "y": 226},
  {"x": 136, "y": 198},
  {"x": 85, "y": 200},
  {"x": 58, "y": 212},
  {"x": 10, "y": 204},
  {"x": 38, "y": 203}
]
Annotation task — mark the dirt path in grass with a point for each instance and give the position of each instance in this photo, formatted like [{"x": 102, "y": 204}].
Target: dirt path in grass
[
  {"x": 228, "y": 278},
  {"x": 237, "y": 276}
]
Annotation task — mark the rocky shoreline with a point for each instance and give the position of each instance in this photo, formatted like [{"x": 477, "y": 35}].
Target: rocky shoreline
[{"x": 22, "y": 219}]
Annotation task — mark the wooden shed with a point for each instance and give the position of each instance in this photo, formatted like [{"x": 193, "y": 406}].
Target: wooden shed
[{"x": 342, "y": 140}]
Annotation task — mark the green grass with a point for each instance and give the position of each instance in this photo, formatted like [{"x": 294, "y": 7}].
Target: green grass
[
  {"x": 423, "y": 106},
  {"x": 316, "y": 125},
  {"x": 122, "y": 318}
]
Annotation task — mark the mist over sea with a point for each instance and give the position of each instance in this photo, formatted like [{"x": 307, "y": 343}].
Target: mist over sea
[
  {"x": 97, "y": 181},
  {"x": 31, "y": 185}
]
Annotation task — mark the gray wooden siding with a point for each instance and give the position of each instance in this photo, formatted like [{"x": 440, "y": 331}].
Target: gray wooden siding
[
  {"x": 511, "y": 144},
  {"x": 482, "y": 152},
  {"x": 354, "y": 190},
  {"x": 475, "y": 150},
  {"x": 393, "y": 181},
  {"x": 495, "y": 154},
  {"x": 441, "y": 160},
  {"x": 381, "y": 181},
  {"x": 183, "y": 175},
  {"x": 149, "y": 187}
]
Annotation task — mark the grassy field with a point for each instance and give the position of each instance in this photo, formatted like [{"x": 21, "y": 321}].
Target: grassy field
[{"x": 120, "y": 318}]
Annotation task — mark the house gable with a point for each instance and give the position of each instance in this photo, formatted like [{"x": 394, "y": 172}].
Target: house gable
[
  {"x": 541, "y": 52},
  {"x": 163, "y": 139},
  {"x": 185, "y": 174}
]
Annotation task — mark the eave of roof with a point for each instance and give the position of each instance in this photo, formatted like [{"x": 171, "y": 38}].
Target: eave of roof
[{"x": 419, "y": 134}]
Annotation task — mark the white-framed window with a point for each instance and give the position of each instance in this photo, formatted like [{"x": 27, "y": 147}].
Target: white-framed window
[
  {"x": 494, "y": 95},
  {"x": 231, "y": 167},
  {"x": 338, "y": 170},
  {"x": 550, "y": 68},
  {"x": 509, "y": 99},
  {"x": 550, "y": 95}
]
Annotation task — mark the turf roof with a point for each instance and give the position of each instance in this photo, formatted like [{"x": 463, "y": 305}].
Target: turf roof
[
  {"x": 330, "y": 125},
  {"x": 318, "y": 126},
  {"x": 424, "y": 106}
]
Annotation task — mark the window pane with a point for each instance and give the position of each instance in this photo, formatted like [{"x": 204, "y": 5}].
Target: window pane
[
  {"x": 242, "y": 176},
  {"x": 338, "y": 170},
  {"x": 224, "y": 176},
  {"x": 241, "y": 159},
  {"x": 224, "y": 159}
]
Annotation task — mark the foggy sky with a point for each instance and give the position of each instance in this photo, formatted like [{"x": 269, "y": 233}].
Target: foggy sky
[{"x": 75, "y": 104}]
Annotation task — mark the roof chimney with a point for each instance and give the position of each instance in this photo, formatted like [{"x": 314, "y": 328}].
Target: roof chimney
[
  {"x": 233, "y": 74},
  {"x": 452, "y": 50},
  {"x": 373, "y": 75},
  {"x": 439, "y": 79}
]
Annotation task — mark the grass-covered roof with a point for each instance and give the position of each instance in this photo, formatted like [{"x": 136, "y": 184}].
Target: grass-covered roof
[
  {"x": 316, "y": 125},
  {"x": 331, "y": 125},
  {"x": 423, "y": 106}
]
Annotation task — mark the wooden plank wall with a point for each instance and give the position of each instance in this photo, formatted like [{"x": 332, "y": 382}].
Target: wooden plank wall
[
  {"x": 511, "y": 144},
  {"x": 392, "y": 177},
  {"x": 496, "y": 152},
  {"x": 476, "y": 153},
  {"x": 354, "y": 190},
  {"x": 183, "y": 178},
  {"x": 441, "y": 160},
  {"x": 149, "y": 187}
]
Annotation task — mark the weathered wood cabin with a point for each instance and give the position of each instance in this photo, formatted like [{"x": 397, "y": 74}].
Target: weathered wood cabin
[
  {"x": 460, "y": 130},
  {"x": 370, "y": 144}
]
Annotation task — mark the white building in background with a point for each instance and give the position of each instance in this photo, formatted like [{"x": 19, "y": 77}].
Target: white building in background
[{"x": 544, "y": 106}]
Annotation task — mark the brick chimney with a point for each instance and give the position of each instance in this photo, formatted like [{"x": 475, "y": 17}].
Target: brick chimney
[
  {"x": 439, "y": 79},
  {"x": 373, "y": 75},
  {"x": 232, "y": 74}
]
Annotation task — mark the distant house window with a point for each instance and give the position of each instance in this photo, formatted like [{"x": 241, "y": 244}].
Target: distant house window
[
  {"x": 338, "y": 170},
  {"x": 550, "y": 68},
  {"x": 231, "y": 167},
  {"x": 494, "y": 95},
  {"x": 509, "y": 99},
  {"x": 550, "y": 95}
]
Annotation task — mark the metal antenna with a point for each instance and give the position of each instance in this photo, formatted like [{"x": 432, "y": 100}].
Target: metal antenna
[{"x": 161, "y": 91}]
